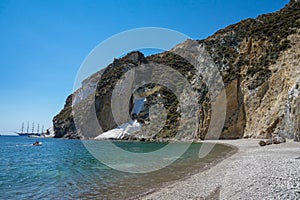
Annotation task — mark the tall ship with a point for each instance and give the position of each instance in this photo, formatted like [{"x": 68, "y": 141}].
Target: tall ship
[{"x": 33, "y": 131}]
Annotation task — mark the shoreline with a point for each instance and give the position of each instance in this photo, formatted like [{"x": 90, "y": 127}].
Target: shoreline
[
  {"x": 210, "y": 165},
  {"x": 252, "y": 172}
]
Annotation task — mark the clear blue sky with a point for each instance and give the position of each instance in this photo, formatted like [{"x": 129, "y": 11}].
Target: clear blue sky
[{"x": 43, "y": 43}]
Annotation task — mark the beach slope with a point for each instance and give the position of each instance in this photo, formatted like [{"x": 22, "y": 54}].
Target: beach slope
[{"x": 270, "y": 172}]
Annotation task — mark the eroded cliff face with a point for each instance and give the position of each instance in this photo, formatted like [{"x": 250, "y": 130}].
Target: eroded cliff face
[
  {"x": 258, "y": 60},
  {"x": 63, "y": 123},
  {"x": 273, "y": 107}
]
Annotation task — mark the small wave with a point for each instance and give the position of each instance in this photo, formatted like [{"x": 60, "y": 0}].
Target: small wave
[{"x": 24, "y": 145}]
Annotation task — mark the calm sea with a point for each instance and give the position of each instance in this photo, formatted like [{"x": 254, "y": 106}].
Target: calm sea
[{"x": 64, "y": 169}]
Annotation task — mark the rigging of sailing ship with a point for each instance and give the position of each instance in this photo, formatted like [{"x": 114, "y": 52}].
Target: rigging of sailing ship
[{"x": 33, "y": 132}]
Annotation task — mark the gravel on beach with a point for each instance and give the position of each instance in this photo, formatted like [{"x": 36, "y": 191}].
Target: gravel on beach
[{"x": 254, "y": 172}]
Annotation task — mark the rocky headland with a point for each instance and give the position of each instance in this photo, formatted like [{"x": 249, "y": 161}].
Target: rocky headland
[{"x": 258, "y": 60}]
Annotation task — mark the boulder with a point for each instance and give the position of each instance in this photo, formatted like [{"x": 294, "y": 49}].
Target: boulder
[
  {"x": 279, "y": 140},
  {"x": 262, "y": 143},
  {"x": 269, "y": 142}
]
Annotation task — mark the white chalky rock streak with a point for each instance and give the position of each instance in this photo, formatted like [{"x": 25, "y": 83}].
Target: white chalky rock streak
[
  {"x": 126, "y": 128},
  {"x": 121, "y": 131}
]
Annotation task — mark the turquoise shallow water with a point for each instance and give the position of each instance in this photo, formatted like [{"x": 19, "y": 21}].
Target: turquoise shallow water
[{"x": 64, "y": 169}]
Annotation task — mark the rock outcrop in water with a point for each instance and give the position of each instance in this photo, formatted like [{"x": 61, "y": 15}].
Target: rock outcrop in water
[{"x": 259, "y": 63}]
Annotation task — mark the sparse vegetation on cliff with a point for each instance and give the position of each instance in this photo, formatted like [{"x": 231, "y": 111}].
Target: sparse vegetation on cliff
[
  {"x": 255, "y": 43},
  {"x": 245, "y": 54}
]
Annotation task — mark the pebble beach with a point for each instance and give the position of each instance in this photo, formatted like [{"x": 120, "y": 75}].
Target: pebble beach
[{"x": 253, "y": 172}]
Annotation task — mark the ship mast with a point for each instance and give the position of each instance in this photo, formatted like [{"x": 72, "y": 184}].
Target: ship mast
[
  {"x": 38, "y": 128},
  {"x": 27, "y": 127},
  {"x": 32, "y": 127},
  {"x": 42, "y": 129},
  {"x": 22, "y": 129}
]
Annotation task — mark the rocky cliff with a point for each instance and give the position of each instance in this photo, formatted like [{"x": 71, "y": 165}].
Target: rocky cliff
[{"x": 258, "y": 60}]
